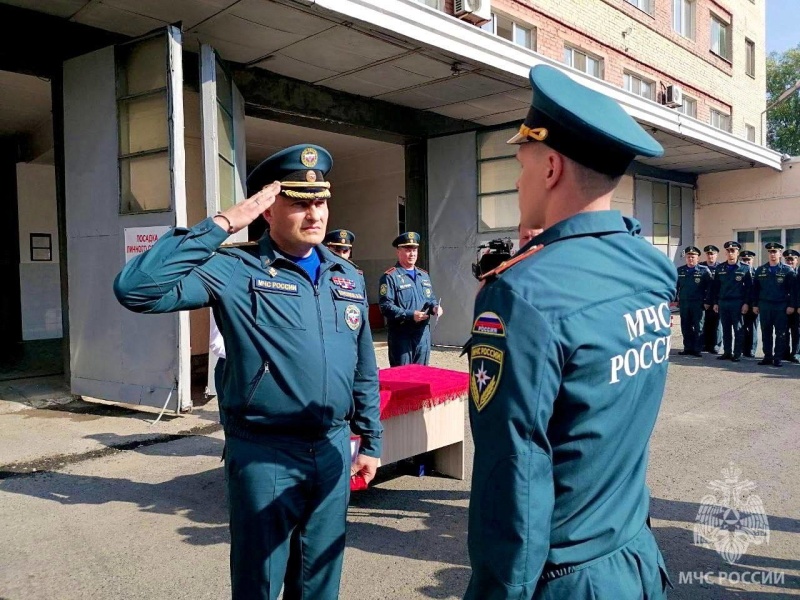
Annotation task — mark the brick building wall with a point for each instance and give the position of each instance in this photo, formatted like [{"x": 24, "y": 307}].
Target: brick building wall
[{"x": 631, "y": 40}]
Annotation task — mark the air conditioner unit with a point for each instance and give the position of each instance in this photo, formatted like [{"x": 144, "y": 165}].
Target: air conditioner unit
[
  {"x": 474, "y": 11},
  {"x": 674, "y": 96}
]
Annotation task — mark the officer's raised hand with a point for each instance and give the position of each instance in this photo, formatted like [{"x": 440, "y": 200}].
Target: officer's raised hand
[{"x": 241, "y": 215}]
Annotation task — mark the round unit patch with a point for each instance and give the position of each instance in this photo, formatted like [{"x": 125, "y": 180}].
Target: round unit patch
[
  {"x": 352, "y": 316},
  {"x": 384, "y": 289}
]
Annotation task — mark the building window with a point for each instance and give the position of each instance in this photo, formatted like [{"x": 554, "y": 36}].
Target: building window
[
  {"x": 578, "y": 59},
  {"x": 142, "y": 115},
  {"x": 750, "y": 57},
  {"x": 401, "y": 214},
  {"x": 498, "y": 171},
  {"x": 639, "y": 86},
  {"x": 689, "y": 107},
  {"x": 226, "y": 147},
  {"x": 720, "y": 120},
  {"x": 41, "y": 247},
  {"x": 645, "y": 5},
  {"x": 683, "y": 17},
  {"x": 437, "y": 4},
  {"x": 720, "y": 38},
  {"x": 754, "y": 240},
  {"x": 750, "y": 132},
  {"x": 512, "y": 31},
  {"x": 667, "y": 215}
]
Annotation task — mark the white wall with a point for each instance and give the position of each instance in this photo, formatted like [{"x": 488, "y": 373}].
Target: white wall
[
  {"x": 747, "y": 199},
  {"x": 39, "y": 281},
  {"x": 364, "y": 189}
]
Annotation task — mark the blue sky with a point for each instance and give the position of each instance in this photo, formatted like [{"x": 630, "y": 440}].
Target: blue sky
[{"x": 783, "y": 18}]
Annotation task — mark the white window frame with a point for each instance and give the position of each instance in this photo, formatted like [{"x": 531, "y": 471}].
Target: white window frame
[
  {"x": 720, "y": 24},
  {"x": 683, "y": 17},
  {"x": 691, "y": 102},
  {"x": 570, "y": 51},
  {"x": 750, "y": 132},
  {"x": 510, "y": 193},
  {"x": 721, "y": 118},
  {"x": 761, "y": 254},
  {"x": 643, "y": 5},
  {"x": 750, "y": 57},
  {"x": 491, "y": 27},
  {"x": 632, "y": 81}
]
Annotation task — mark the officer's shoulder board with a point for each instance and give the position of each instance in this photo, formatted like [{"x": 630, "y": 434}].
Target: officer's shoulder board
[
  {"x": 390, "y": 271},
  {"x": 249, "y": 247},
  {"x": 423, "y": 271},
  {"x": 507, "y": 264}
]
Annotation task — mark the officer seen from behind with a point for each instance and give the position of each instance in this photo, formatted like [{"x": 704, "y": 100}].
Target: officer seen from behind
[
  {"x": 408, "y": 301},
  {"x": 730, "y": 298},
  {"x": 750, "y": 336},
  {"x": 300, "y": 372},
  {"x": 772, "y": 296},
  {"x": 694, "y": 282},
  {"x": 566, "y": 379}
]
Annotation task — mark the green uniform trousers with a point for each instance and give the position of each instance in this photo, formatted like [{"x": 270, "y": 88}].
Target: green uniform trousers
[
  {"x": 634, "y": 572},
  {"x": 288, "y": 500}
]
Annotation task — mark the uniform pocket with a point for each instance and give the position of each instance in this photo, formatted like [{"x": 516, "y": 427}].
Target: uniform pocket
[
  {"x": 349, "y": 315},
  {"x": 276, "y": 309}
]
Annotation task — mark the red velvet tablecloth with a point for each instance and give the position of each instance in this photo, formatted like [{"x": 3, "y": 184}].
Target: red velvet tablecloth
[
  {"x": 410, "y": 388},
  {"x": 413, "y": 387}
]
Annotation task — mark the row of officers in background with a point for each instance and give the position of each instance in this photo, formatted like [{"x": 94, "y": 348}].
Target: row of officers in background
[{"x": 721, "y": 304}]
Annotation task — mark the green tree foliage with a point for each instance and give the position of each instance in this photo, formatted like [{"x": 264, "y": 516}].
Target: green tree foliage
[{"x": 783, "y": 121}]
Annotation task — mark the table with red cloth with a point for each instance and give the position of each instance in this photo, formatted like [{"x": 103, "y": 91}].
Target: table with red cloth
[{"x": 422, "y": 410}]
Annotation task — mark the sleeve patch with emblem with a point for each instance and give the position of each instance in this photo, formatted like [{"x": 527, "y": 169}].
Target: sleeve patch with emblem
[
  {"x": 384, "y": 289},
  {"x": 485, "y": 367}
]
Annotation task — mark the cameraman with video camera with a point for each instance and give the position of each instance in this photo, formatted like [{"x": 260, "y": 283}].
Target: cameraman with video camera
[{"x": 408, "y": 302}]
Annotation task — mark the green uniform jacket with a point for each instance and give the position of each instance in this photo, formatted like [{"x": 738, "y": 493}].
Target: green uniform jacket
[
  {"x": 694, "y": 283},
  {"x": 775, "y": 288},
  {"x": 732, "y": 284},
  {"x": 568, "y": 362},
  {"x": 300, "y": 357}
]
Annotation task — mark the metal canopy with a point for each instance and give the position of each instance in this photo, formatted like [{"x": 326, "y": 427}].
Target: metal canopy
[{"x": 401, "y": 52}]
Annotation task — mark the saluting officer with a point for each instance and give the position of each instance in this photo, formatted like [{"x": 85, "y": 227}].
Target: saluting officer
[
  {"x": 772, "y": 295},
  {"x": 566, "y": 380},
  {"x": 792, "y": 257},
  {"x": 750, "y": 336},
  {"x": 712, "y": 327},
  {"x": 694, "y": 281},
  {"x": 407, "y": 301},
  {"x": 731, "y": 297},
  {"x": 300, "y": 371}
]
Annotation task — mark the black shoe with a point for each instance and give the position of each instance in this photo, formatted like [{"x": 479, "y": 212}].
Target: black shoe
[
  {"x": 697, "y": 354},
  {"x": 684, "y": 353},
  {"x": 725, "y": 357},
  {"x": 736, "y": 359},
  {"x": 748, "y": 355},
  {"x": 777, "y": 363},
  {"x": 765, "y": 361}
]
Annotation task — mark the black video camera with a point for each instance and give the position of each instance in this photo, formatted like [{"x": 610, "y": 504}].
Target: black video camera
[
  {"x": 498, "y": 251},
  {"x": 429, "y": 308}
]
